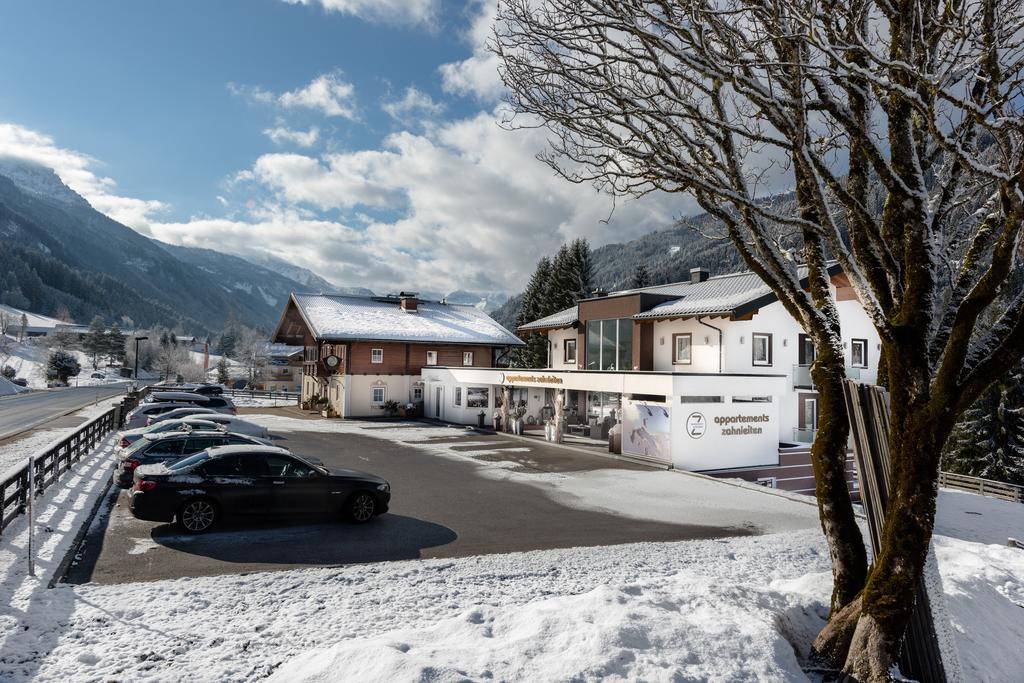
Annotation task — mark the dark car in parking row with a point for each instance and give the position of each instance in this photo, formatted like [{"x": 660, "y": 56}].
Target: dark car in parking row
[
  {"x": 171, "y": 446},
  {"x": 260, "y": 481}
]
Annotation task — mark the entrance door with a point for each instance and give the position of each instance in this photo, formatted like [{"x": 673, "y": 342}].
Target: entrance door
[{"x": 437, "y": 403}]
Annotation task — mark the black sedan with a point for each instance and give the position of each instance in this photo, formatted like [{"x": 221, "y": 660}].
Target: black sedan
[{"x": 260, "y": 481}]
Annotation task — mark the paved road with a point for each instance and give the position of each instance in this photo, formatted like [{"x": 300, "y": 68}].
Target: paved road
[
  {"x": 441, "y": 507},
  {"x": 25, "y": 411}
]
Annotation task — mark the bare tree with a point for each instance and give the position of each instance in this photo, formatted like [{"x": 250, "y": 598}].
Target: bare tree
[
  {"x": 897, "y": 126},
  {"x": 251, "y": 349}
]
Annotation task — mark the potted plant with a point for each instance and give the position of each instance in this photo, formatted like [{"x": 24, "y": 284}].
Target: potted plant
[
  {"x": 517, "y": 419},
  {"x": 323, "y": 404},
  {"x": 390, "y": 407}
]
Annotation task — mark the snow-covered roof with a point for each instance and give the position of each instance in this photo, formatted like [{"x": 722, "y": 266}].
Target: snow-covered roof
[
  {"x": 561, "y": 319},
  {"x": 335, "y": 317},
  {"x": 716, "y": 295},
  {"x": 278, "y": 350}
]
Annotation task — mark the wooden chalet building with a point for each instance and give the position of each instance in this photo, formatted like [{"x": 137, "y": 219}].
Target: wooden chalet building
[{"x": 362, "y": 352}]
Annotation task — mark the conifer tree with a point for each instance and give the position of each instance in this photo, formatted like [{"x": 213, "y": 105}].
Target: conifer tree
[
  {"x": 535, "y": 306},
  {"x": 114, "y": 344},
  {"x": 222, "y": 371},
  {"x": 641, "y": 277},
  {"x": 988, "y": 441},
  {"x": 94, "y": 342}
]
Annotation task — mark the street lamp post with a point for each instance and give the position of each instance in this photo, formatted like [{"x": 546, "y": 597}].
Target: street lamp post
[{"x": 135, "y": 374}]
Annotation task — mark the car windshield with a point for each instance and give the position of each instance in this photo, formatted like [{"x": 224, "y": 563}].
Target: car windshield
[
  {"x": 191, "y": 460},
  {"x": 136, "y": 445}
]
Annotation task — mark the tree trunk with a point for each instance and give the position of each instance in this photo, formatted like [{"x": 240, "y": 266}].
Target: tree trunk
[
  {"x": 917, "y": 433},
  {"x": 828, "y": 460}
]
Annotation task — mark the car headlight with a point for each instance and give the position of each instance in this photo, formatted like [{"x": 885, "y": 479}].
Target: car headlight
[{"x": 385, "y": 487}]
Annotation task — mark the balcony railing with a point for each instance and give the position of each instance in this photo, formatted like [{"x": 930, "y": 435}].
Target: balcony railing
[
  {"x": 802, "y": 375},
  {"x": 801, "y": 435}
]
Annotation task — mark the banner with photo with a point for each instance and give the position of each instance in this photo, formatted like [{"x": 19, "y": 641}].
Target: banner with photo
[{"x": 647, "y": 430}]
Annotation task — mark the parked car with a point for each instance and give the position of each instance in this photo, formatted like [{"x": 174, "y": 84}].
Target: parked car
[
  {"x": 263, "y": 481},
  {"x": 20, "y": 381},
  {"x": 233, "y": 424},
  {"x": 178, "y": 413},
  {"x": 203, "y": 389},
  {"x": 98, "y": 375},
  {"x": 171, "y": 446},
  {"x": 218, "y": 403},
  {"x": 139, "y": 416},
  {"x": 202, "y": 421}
]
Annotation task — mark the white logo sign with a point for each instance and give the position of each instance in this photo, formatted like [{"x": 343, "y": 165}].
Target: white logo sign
[{"x": 696, "y": 425}]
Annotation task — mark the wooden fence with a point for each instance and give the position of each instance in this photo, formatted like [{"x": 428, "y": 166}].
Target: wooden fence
[
  {"x": 868, "y": 405},
  {"x": 984, "y": 487},
  {"x": 52, "y": 463}
]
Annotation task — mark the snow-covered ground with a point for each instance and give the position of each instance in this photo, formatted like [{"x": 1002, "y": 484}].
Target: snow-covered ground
[
  {"x": 28, "y": 358},
  {"x": 722, "y": 610}
]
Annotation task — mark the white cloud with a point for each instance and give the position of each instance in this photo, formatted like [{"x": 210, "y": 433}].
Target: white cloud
[
  {"x": 415, "y": 106},
  {"x": 76, "y": 171},
  {"x": 464, "y": 206},
  {"x": 303, "y": 138},
  {"x": 476, "y": 75},
  {"x": 327, "y": 93},
  {"x": 409, "y": 12}
]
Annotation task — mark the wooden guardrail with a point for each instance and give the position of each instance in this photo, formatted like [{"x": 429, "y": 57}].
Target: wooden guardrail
[
  {"x": 52, "y": 463},
  {"x": 984, "y": 487},
  {"x": 868, "y": 407}
]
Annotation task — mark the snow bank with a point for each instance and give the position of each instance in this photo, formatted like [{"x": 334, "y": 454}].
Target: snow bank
[
  {"x": 983, "y": 582},
  {"x": 688, "y": 627}
]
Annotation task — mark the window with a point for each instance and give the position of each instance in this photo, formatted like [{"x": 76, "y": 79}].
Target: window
[
  {"x": 222, "y": 467},
  {"x": 478, "y": 397},
  {"x": 610, "y": 344},
  {"x": 377, "y": 355},
  {"x": 378, "y": 395},
  {"x": 570, "y": 351},
  {"x": 458, "y": 396},
  {"x": 283, "y": 466},
  {"x": 165, "y": 449},
  {"x": 417, "y": 393},
  {"x": 467, "y": 357},
  {"x": 431, "y": 357},
  {"x": 700, "y": 399},
  {"x": 682, "y": 344},
  {"x": 805, "y": 350},
  {"x": 761, "y": 346},
  {"x": 859, "y": 351}
]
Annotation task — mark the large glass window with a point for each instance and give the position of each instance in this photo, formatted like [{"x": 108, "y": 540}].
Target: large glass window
[
  {"x": 610, "y": 344},
  {"x": 859, "y": 353}
]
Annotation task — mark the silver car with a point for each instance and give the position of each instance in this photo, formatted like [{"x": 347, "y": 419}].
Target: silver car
[{"x": 139, "y": 417}]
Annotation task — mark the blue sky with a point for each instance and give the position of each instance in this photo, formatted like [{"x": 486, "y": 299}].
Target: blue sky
[{"x": 358, "y": 138}]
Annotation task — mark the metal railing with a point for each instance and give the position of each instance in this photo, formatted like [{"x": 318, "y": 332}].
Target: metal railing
[
  {"x": 802, "y": 375},
  {"x": 257, "y": 393},
  {"x": 801, "y": 435},
  {"x": 983, "y": 487},
  {"x": 57, "y": 459}
]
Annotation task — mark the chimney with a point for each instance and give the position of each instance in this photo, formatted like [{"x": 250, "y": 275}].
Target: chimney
[
  {"x": 408, "y": 301},
  {"x": 699, "y": 275}
]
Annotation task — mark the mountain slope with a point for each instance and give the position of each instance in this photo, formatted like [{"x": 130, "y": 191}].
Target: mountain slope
[{"x": 57, "y": 251}]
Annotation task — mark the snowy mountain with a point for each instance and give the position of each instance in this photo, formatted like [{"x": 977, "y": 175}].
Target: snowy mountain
[
  {"x": 39, "y": 181},
  {"x": 310, "y": 281},
  {"x": 58, "y": 252}
]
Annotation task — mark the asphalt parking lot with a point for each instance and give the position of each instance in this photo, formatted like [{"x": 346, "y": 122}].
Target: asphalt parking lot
[{"x": 441, "y": 507}]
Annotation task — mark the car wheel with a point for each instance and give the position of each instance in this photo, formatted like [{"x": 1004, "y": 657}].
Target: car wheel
[
  {"x": 361, "y": 507},
  {"x": 197, "y": 516}
]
